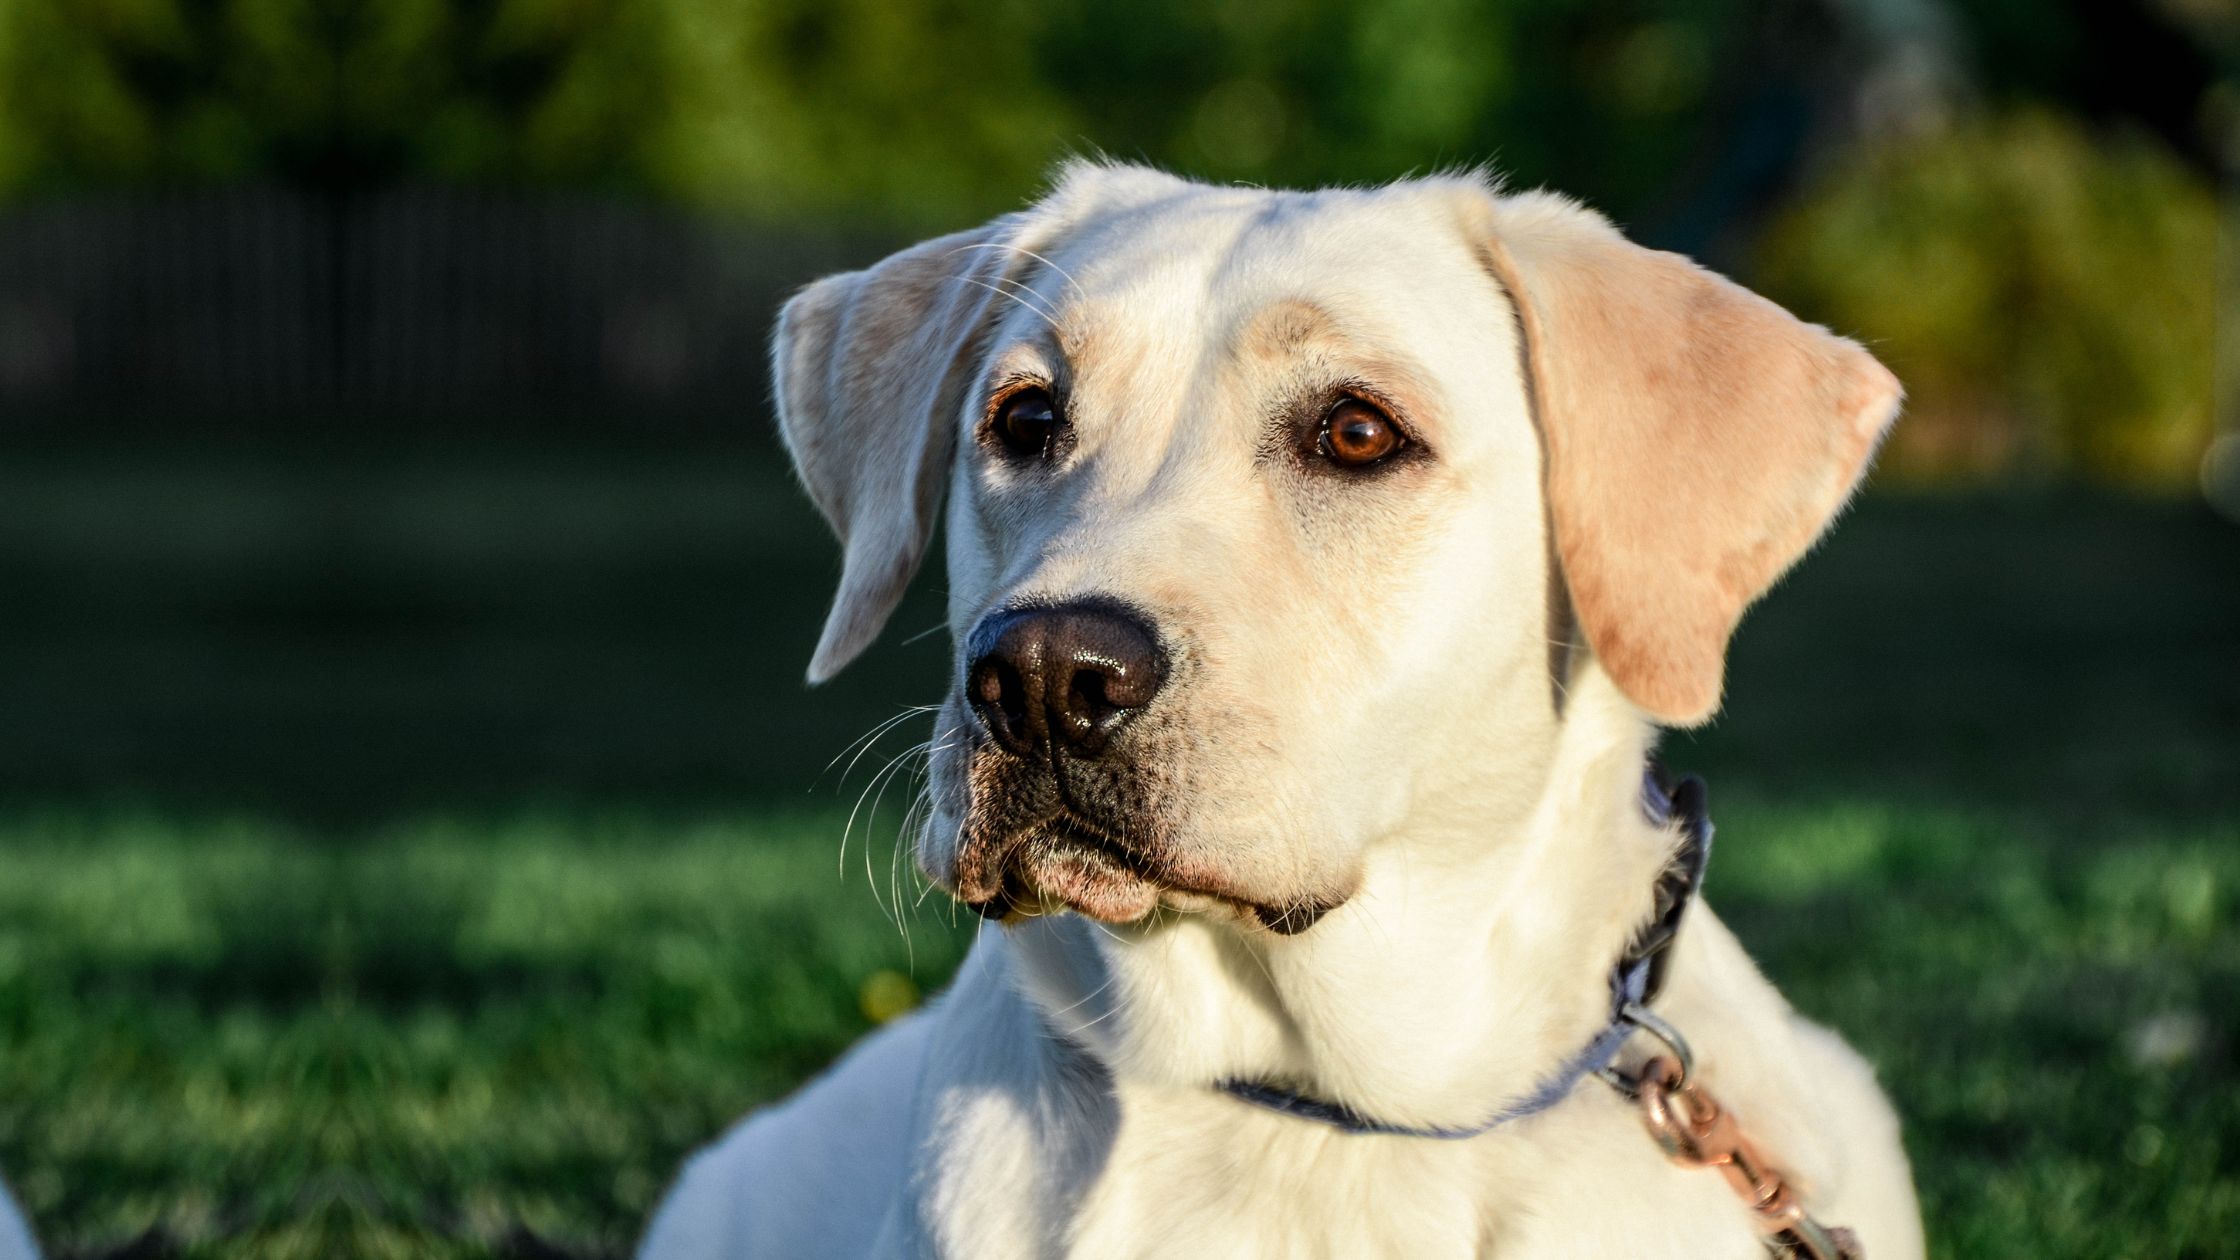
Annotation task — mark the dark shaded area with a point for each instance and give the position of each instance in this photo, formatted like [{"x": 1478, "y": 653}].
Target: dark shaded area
[
  {"x": 349, "y": 634},
  {"x": 2128, "y": 63},
  {"x": 2062, "y": 651},
  {"x": 352, "y": 633},
  {"x": 419, "y": 315}
]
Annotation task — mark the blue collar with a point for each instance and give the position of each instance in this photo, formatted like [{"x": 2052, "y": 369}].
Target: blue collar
[{"x": 1634, "y": 983}]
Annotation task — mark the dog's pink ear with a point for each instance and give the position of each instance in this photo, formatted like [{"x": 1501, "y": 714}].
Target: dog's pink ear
[
  {"x": 871, "y": 370},
  {"x": 1698, "y": 439}
]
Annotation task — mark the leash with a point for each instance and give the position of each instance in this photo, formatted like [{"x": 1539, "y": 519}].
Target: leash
[{"x": 1687, "y": 1123}]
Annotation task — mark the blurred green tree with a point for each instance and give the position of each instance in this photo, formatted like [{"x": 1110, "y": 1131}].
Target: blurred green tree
[
  {"x": 108, "y": 92},
  {"x": 923, "y": 114},
  {"x": 2042, "y": 284},
  {"x": 2048, "y": 295}
]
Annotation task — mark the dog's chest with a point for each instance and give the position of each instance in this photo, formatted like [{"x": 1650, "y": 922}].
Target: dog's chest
[{"x": 1233, "y": 1182}]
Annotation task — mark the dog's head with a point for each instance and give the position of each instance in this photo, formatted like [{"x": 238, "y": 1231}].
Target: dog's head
[{"x": 1275, "y": 517}]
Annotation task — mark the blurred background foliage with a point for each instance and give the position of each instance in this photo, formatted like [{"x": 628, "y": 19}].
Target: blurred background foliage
[
  {"x": 2049, "y": 300},
  {"x": 2013, "y": 201}
]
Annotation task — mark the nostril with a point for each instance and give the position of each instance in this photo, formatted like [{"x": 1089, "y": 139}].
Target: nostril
[
  {"x": 1001, "y": 697},
  {"x": 1129, "y": 686},
  {"x": 1099, "y": 694},
  {"x": 1011, "y": 693},
  {"x": 1090, "y": 698},
  {"x": 988, "y": 682}
]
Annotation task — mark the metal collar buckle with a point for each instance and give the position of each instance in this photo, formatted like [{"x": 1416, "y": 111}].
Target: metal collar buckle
[{"x": 1693, "y": 1130}]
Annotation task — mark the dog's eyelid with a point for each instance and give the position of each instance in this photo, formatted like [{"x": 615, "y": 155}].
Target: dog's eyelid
[
  {"x": 1017, "y": 379},
  {"x": 1383, "y": 401},
  {"x": 1009, "y": 385}
]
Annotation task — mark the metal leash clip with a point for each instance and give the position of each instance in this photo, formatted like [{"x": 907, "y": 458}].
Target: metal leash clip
[{"x": 1694, "y": 1131}]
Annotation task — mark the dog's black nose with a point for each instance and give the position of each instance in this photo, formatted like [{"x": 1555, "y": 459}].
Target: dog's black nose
[{"x": 1065, "y": 676}]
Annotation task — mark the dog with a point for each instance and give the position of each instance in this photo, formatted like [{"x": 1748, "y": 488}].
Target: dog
[{"x": 1321, "y": 566}]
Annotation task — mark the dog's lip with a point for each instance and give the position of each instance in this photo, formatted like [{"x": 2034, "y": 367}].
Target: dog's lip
[
  {"x": 1295, "y": 918},
  {"x": 1068, "y": 860},
  {"x": 1079, "y": 865},
  {"x": 1070, "y": 829}
]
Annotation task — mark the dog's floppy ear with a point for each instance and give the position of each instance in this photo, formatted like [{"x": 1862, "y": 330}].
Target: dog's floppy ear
[
  {"x": 871, "y": 369},
  {"x": 1698, "y": 439}
]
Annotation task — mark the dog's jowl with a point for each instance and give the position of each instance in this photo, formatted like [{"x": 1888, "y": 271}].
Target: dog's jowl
[{"x": 1321, "y": 566}]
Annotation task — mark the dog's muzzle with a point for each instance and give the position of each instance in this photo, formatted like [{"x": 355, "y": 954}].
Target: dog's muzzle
[
  {"x": 1052, "y": 687},
  {"x": 1058, "y": 815}
]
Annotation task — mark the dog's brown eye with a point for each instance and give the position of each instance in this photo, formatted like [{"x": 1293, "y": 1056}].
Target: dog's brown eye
[
  {"x": 1027, "y": 422},
  {"x": 1356, "y": 434}
]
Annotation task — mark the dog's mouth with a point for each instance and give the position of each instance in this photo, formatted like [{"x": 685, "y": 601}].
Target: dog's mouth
[
  {"x": 1068, "y": 862},
  {"x": 1071, "y": 863}
]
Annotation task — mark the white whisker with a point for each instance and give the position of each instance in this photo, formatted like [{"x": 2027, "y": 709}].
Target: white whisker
[
  {"x": 878, "y": 780},
  {"x": 862, "y": 746},
  {"x": 1039, "y": 313},
  {"x": 1009, "y": 247}
]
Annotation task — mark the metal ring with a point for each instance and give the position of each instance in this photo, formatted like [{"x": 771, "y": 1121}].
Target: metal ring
[{"x": 1650, "y": 1022}]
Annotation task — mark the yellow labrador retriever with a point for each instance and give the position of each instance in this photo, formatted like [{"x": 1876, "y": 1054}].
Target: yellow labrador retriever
[{"x": 1320, "y": 565}]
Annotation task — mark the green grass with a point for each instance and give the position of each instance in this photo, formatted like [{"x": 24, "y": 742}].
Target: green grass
[
  {"x": 472, "y": 1037},
  {"x": 460, "y": 1038}
]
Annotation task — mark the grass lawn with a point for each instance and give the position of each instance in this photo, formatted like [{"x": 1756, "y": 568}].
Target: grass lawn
[
  {"x": 498, "y": 1036},
  {"x": 1978, "y": 792}
]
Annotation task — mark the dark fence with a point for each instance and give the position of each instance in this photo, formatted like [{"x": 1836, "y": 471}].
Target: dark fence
[{"x": 431, "y": 310}]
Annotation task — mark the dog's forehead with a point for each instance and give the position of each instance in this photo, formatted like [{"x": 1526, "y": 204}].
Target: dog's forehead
[{"x": 1207, "y": 263}]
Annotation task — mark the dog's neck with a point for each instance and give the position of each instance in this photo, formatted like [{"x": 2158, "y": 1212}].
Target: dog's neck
[{"x": 1473, "y": 960}]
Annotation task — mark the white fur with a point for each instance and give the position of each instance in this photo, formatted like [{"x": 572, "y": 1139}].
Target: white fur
[
  {"x": 15, "y": 1234},
  {"x": 1368, "y": 704}
]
